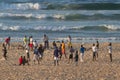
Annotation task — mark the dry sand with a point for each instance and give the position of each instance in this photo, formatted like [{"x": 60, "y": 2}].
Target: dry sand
[{"x": 102, "y": 69}]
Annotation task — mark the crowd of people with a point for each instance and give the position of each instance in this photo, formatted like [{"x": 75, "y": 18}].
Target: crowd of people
[{"x": 29, "y": 44}]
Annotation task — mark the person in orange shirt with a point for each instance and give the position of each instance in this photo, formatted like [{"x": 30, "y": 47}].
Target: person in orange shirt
[{"x": 63, "y": 49}]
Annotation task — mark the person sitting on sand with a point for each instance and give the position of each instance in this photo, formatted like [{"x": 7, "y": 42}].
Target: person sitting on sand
[
  {"x": 20, "y": 60},
  {"x": 82, "y": 50},
  {"x": 110, "y": 51},
  {"x": 71, "y": 54},
  {"x": 25, "y": 61},
  {"x": 4, "y": 50}
]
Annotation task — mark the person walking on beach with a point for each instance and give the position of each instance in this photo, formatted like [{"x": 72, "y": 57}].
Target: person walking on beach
[
  {"x": 4, "y": 51},
  {"x": 76, "y": 58},
  {"x": 94, "y": 52},
  {"x": 7, "y": 42},
  {"x": 63, "y": 49},
  {"x": 46, "y": 41},
  {"x": 110, "y": 51},
  {"x": 82, "y": 50},
  {"x": 56, "y": 55},
  {"x": 71, "y": 54}
]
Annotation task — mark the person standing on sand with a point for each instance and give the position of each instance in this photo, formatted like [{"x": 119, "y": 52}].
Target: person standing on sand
[
  {"x": 25, "y": 40},
  {"x": 28, "y": 54},
  {"x": 76, "y": 58},
  {"x": 110, "y": 51},
  {"x": 60, "y": 51},
  {"x": 71, "y": 54},
  {"x": 31, "y": 43},
  {"x": 36, "y": 55},
  {"x": 56, "y": 55},
  {"x": 97, "y": 47},
  {"x": 69, "y": 41},
  {"x": 63, "y": 49},
  {"x": 7, "y": 42},
  {"x": 82, "y": 50},
  {"x": 41, "y": 51},
  {"x": 46, "y": 41},
  {"x": 94, "y": 52},
  {"x": 4, "y": 50}
]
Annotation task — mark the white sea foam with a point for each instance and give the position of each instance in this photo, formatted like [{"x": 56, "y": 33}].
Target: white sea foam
[
  {"x": 112, "y": 27},
  {"x": 21, "y": 6}
]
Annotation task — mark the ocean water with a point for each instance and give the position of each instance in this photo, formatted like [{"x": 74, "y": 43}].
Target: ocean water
[{"x": 84, "y": 20}]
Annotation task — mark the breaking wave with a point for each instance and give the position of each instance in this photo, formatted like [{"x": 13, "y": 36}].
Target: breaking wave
[
  {"x": 62, "y": 28},
  {"x": 58, "y": 6},
  {"x": 60, "y": 16}
]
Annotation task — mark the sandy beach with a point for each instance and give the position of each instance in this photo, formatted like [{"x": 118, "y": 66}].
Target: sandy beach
[{"x": 102, "y": 69}]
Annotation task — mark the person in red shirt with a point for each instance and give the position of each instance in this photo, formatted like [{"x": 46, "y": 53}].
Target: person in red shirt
[
  {"x": 7, "y": 42},
  {"x": 20, "y": 60}
]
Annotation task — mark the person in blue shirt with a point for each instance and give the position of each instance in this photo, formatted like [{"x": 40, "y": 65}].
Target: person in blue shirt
[
  {"x": 82, "y": 50},
  {"x": 36, "y": 55},
  {"x": 56, "y": 55}
]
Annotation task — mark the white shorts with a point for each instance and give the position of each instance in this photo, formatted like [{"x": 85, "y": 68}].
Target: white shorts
[{"x": 55, "y": 58}]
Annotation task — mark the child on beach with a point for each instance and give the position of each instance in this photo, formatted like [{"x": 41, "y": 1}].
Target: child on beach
[
  {"x": 28, "y": 54},
  {"x": 110, "y": 51},
  {"x": 76, "y": 58},
  {"x": 25, "y": 61},
  {"x": 71, "y": 54},
  {"x": 82, "y": 50},
  {"x": 56, "y": 55},
  {"x": 4, "y": 50},
  {"x": 20, "y": 60}
]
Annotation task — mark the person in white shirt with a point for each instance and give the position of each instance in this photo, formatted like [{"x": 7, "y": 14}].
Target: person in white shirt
[
  {"x": 110, "y": 51},
  {"x": 94, "y": 48}
]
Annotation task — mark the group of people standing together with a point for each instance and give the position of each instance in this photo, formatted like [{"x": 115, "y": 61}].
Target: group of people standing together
[{"x": 58, "y": 52}]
